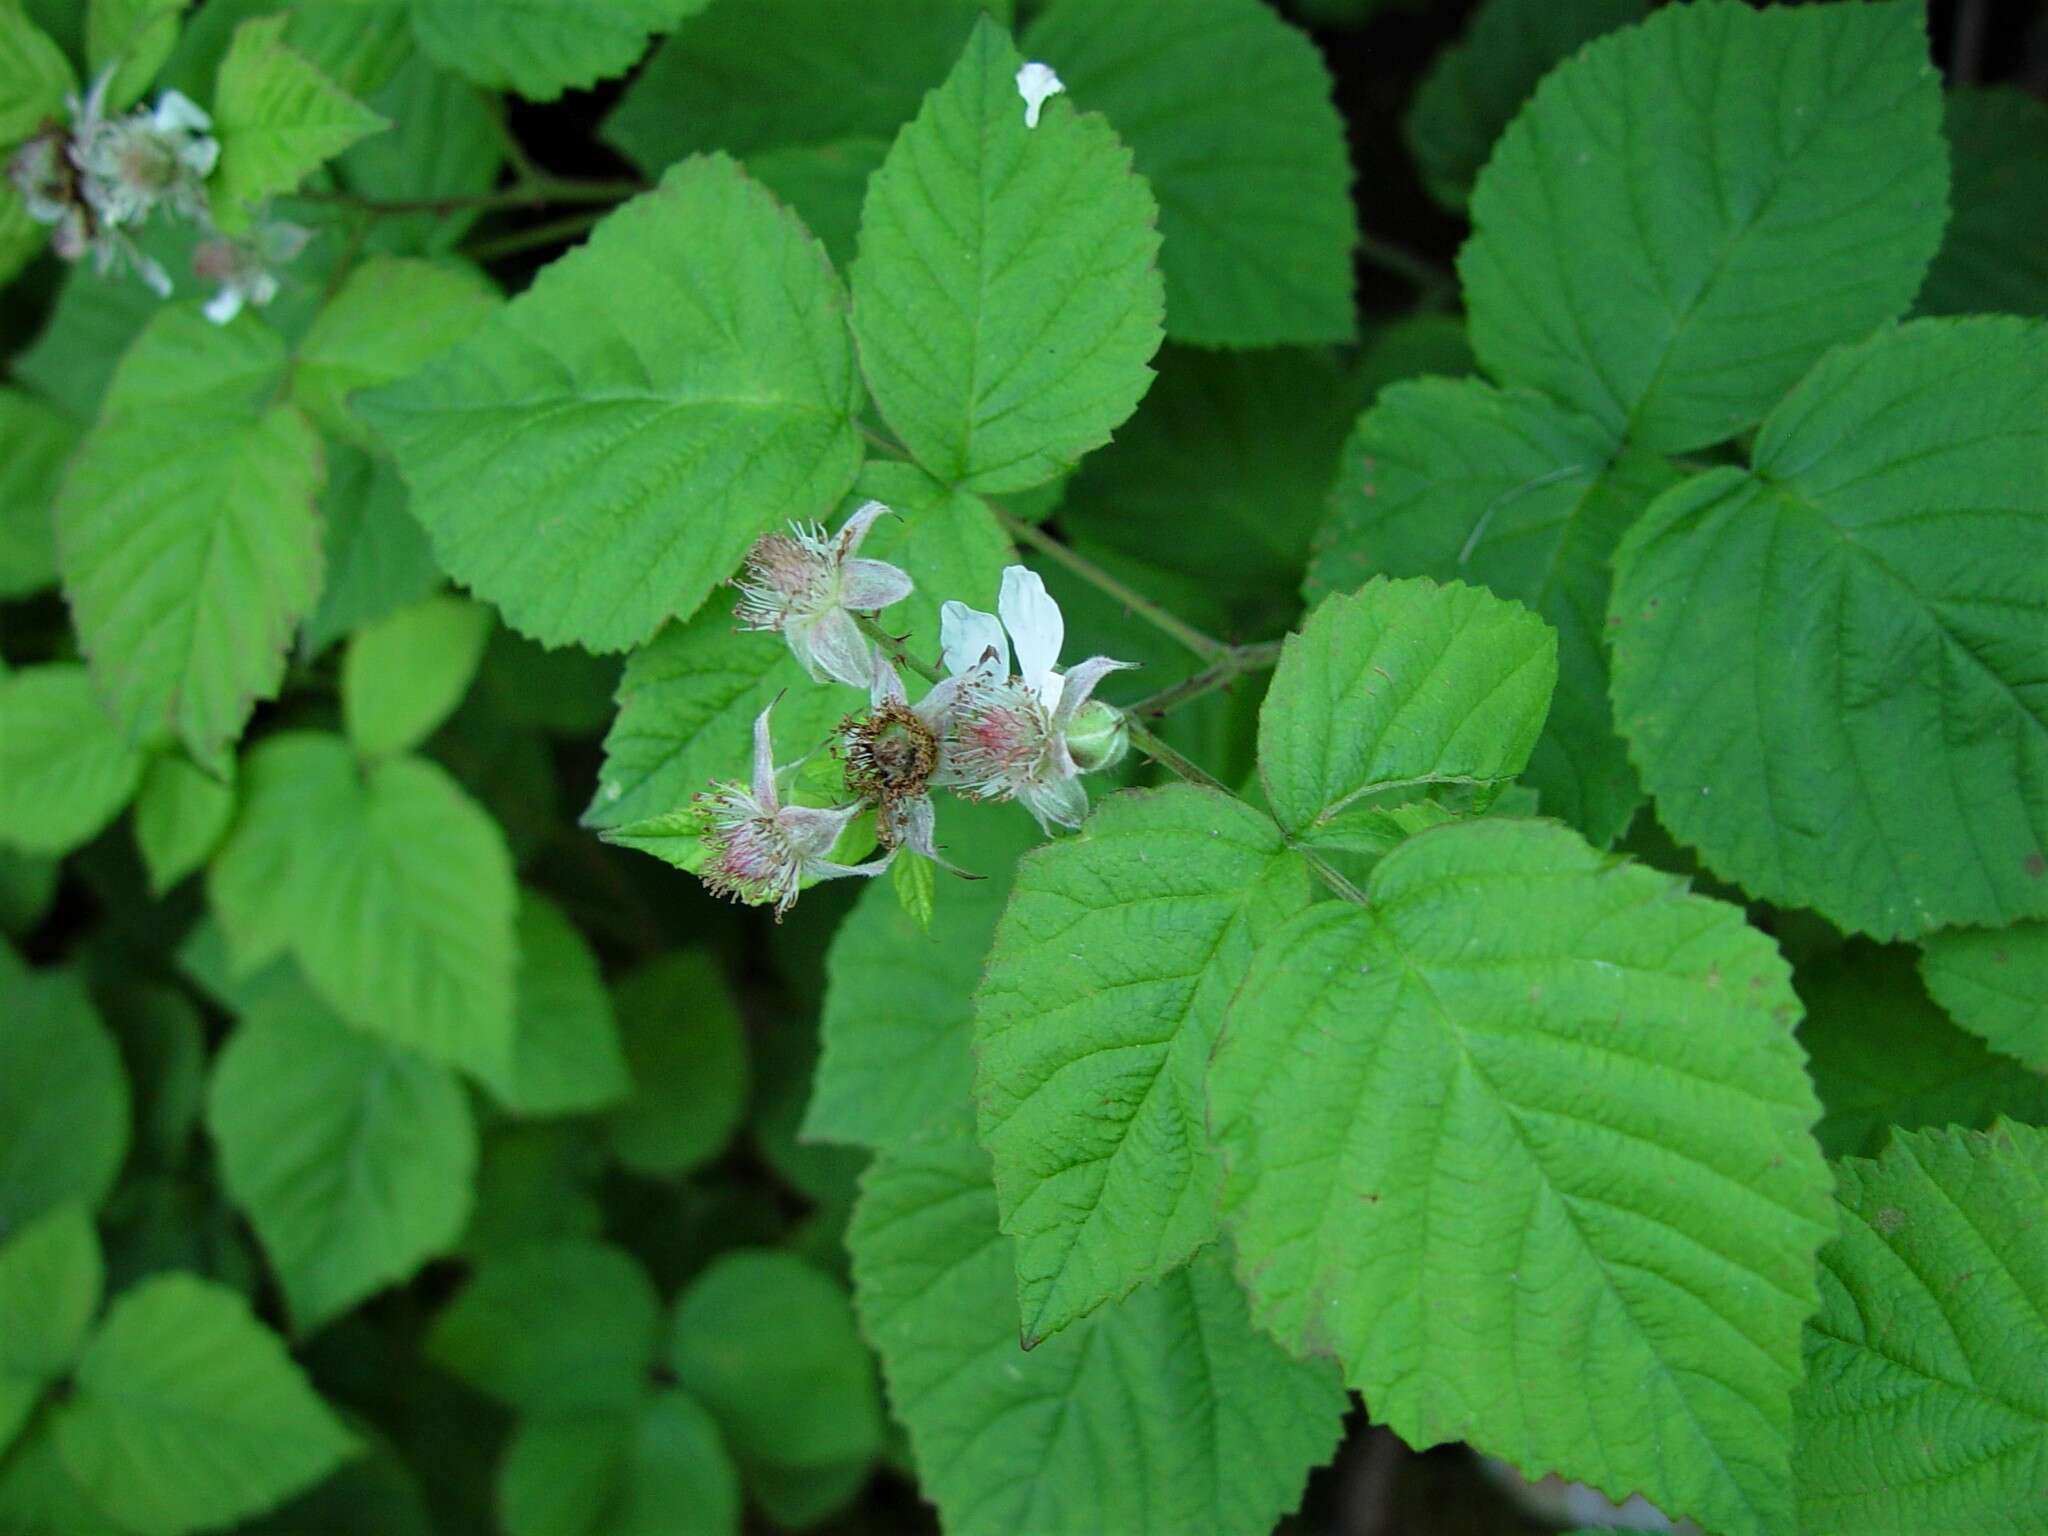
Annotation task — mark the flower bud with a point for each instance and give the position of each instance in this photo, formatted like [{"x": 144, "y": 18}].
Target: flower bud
[{"x": 1097, "y": 737}]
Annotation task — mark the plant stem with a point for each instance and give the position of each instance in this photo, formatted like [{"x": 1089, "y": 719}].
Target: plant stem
[
  {"x": 528, "y": 192},
  {"x": 1205, "y": 646},
  {"x": 1436, "y": 284},
  {"x": 1221, "y": 673},
  {"x": 554, "y": 232}
]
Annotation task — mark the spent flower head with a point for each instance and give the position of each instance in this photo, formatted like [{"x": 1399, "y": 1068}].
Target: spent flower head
[
  {"x": 807, "y": 587},
  {"x": 761, "y": 851},
  {"x": 894, "y": 754},
  {"x": 244, "y": 271},
  {"x": 1027, "y": 735}
]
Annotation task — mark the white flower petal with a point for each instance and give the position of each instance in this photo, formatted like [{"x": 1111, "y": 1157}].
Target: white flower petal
[
  {"x": 871, "y": 585},
  {"x": 832, "y": 645},
  {"x": 857, "y": 524},
  {"x": 176, "y": 110},
  {"x": 1036, "y": 629},
  {"x": 1035, "y": 83},
  {"x": 1080, "y": 684},
  {"x": 812, "y": 830},
  {"x": 966, "y": 635},
  {"x": 1058, "y": 801},
  {"x": 764, "y": 760},
  {"x": 225, "y": 305},
  {"x": 886, "y": 687}
]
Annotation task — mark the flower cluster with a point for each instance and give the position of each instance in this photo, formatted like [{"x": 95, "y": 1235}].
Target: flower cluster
[
  {"x": 980, "y": 731},
  {"x": 98, "y": 181}
]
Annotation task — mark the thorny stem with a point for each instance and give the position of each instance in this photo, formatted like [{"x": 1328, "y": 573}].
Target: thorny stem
[
  {"x": 554, "y": 232},
  {"x": 528, "y": 192},
  {"x": 1208, "y": 647},
  {"x": 1437, "y": 285},
  {"x": 1221, "y": 673}
]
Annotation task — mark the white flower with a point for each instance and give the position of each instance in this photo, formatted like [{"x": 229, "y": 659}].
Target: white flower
[
  {"x": 128, "y": 166},
  {"x": 245, "y": 269},
  {"x": 1014, "y": 736},
  {"x": 1035, "y": 83},
  {"x": 808, "y": 588},
  {"x": 760, "y": 850},
  {"x": 893, "y": 755}
]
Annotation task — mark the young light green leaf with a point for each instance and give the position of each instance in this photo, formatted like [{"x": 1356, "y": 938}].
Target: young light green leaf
[
  {"x": 1480, "y": 82},
  {"x": 65, "y": 768},
  {"x": 1872, "y": 593},
  {"x": 1995, "y": 255},
  {"x": 1994, "y": 982},
  {"x": 189, "y": 1414},
  {"x": 391, "y": 886},
  {"x": 1456, "y": 480},
  {"x": 541, "y": 48},
  {"x": 35, "y": 440},
  {"x": 1106, "y": 986},
  {"x": 1665, "y": 252},
  {"x": 554, "y": 1328},
  {"x": 34, "y": 76},
  {"x": 687, "y": 1056},
  {"x": 377, "y": 556},
  {"x": 1925, "y": 1405},
  {"x": 352, "y": 1157},
  {"x": 403, "y": 674},
  {"x": 1528, "y": 1083},
  {"x": 1402, "y": 686},
  {"x": 898, "y": 1024},
  {"x": 1166, "y": 1411},
  {"x": 391, "y": 318},
  {"x": 600, "y": 453},
  {"x": 1228, "y": 114},
  {"x": 181, "y": 815},
  {"x": 50, "y": 1277},
  {"x": 768, "y": 1344},
  {"x": 132, "y": 38},
  {"x": 1882, "y": 1055},
  {"x": 186, "y": 531},
  {"x": 278, "y": 119},
  {"x": 620, "y": 1474},
  {"x": 746, "y": 76},
  {"x": 63, "y": 1098},
  {"x": 566, "y": 1055},
  {"x": 1002, "y": 355}
]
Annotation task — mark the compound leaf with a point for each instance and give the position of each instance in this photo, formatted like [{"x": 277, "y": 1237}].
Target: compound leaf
[
  {"x": 278, "y": 119},
  {"x": 181, "y": 814},
  {"x": 1106, "y": 986},
  {"x": 1827, "y": 669},
  {"x": 404, "y": 673},
  {"x": 541, "y": 48},
  {"x": 600, "y": 453},
  {"x": 1664, "y": 248},
  {"x": 566, "y": 1056},
  {"x": 1006, "y": 297},
  {"x": 1535, "y": 1110}
]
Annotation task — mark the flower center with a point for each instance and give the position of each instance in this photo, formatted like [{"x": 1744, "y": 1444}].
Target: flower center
[{"x": 890, "y": 757}]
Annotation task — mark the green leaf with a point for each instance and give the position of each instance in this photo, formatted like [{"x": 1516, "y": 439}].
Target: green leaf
[
  {"x": 35, "y": 440},
  {"x": 391, "y": 886},
  {"x": 687, "y": 702},
  {"x": 1664, "y": 251},
  {"x": 1882, "y": 1055},
  {"x": 768, "y": 1344},
  {"x": 1994, "y": 982},
  {"x": 88, "y": 332},
  {"x": 378, "y": 559},
  {"x": 898, "y": 1024},
  {"x": 620, "y": 1475},
  {"x": 1456, "y": 480},
  {"x": 1537, "y": 1109},
  {"x": 1167, "y": 1411},
  {"x": 65, "y": 768},
  {"x": 63, "y": 1099},
  {"x": 1995, "y": 256},
  {"x": 1870, "y": 594},
  {"x": 353, "y": 1158},
  {"x": 133, "y": 38},
  {"x": 188, "y": 1414},
  {"x": 181, "y": 815},
  {"x": 1106, "y": 986},
  {"x": 391, "y": 318},
  {"x": 567, "y": 1327},
  {"x": 745, "y": 76},
  {"x": 163, "y": 1043},
  {"x": 541, "y": 48},
  {"x": 1480, "y": 82},
  {"x": 186, "y": 531},
  {"x": 566, "y": 1055},
  {"x": 444, "y": 143},
  {"x": 278, "y": 120},
  {"x": 1402, "y": 686},
  {"x": 687, "y": 1056},
  {"x": 825, "y": 184},
  {"x": 1222, "y": 473},
  {"x": 1228, "y": 114},
  {"x": 1925, "y": 1406},
  {"x": 22, "y": 238},
  {"x": 27, "y": 884},
  {"x": 403, "y": 674},
  {"x": 601, "y": 452},
  {"x": 34, "y": 76},
  {"x": 1002, "y": 356},
  {"x": 49, "y": 1290},
  {"x": 535, "y": 1183}
]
